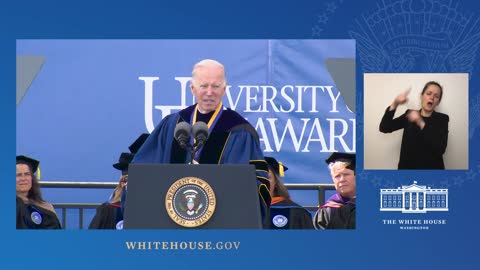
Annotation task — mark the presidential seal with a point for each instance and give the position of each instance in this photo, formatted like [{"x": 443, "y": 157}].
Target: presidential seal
[{"x": 190, "y": 202}]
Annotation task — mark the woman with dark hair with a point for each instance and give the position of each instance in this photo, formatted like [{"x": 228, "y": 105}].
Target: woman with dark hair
[
  {"x": 425, "y": 131},
  {"x": 33, "y": 212},
  {"x": 284, "y": 213}
]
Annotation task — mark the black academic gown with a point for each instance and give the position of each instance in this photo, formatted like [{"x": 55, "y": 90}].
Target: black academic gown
[
  {"x": 286, "y": 214},
  {"x": 108, "y": 216},
  {"x": 32, "y": 216},
  {"x": 337, "y": 213},
  {"x": 343, "y": 217},
  {"x": 232, "y": 140}
]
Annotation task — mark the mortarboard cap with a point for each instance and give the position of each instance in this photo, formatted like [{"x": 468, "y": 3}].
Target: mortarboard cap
[
  {"x": 339, "y": 156},
  {"x": 123, "y": 161},
  {"x": 278, "y": 167},
  {"x": 33, "y": 163},
  {"x": 138, "y": 143}
]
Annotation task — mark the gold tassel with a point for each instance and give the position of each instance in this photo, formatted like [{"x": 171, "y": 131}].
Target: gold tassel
[{"x": 280, "y": 169}]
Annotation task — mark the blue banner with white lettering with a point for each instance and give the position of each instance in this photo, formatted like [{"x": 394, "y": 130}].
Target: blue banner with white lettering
[{"x": 90, "y": 99}]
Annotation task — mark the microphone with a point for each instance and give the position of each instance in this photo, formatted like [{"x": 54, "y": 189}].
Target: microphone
[
  {"x": 200, "y": 133},
  {"x": 182, "y": 134}
]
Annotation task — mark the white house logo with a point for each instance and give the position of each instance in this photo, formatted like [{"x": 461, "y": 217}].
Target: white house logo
[{"x": 414, "y": 199}]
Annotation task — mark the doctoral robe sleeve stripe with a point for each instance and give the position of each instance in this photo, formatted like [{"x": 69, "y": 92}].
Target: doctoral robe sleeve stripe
[
  {"x": 264, "y": 194},
  {"x": 262, "y": 178},
  {"x": 223, "y": 149},
  {"x": 260, "y": 165}
]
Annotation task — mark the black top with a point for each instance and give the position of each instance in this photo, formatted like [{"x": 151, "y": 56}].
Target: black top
[
  {"x": 31, "y": 216},
  {"x": 420, "y": 149},
  {"x": 108, "y": 216},
  {"x": 343, "y": 217},
  {"x": 287, "y": 214}
]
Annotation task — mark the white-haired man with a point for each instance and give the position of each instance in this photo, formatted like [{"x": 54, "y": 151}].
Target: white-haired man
[
  {"x": 339, "y": 210},
  {"x": 232, "y": 139}
]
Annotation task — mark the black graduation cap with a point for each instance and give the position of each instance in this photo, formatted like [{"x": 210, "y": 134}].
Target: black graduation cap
[
  {"x": 123, "y": 161},
  {"x": 278, "y": 167},
  {"x": 339, "y": 156},
  {"x": 33, "y": 163},
  {"x": 138, "y": 143}
]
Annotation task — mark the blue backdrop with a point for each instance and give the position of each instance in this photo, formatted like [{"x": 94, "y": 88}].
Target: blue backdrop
[
  {"x": 423, "y": 27},
  {"x": 92, "y": 98}
]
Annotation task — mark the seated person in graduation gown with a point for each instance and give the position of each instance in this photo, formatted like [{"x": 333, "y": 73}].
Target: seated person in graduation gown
[
  {"x": 339, "y": 210},
  {"x": 343, "y": 217},
  {"x": 109, "y": 215},
  {"x": 284, "y": 213},
  {"x": 231, "y": 140},
  {"x": 33, "y": 212}
]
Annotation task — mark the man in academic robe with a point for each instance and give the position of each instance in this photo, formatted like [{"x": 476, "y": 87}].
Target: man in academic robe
[
  {"x": 231, "y": 140},
  {"x": 339, "y": 210}
]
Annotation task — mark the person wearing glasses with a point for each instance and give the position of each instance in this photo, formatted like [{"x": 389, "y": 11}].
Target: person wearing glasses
[
  {"x": 33, "y": 212},
  {"x": 231, "y": 139}
]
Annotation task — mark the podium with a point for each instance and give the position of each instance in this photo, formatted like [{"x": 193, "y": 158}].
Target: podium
[{"x": 181, "y": 196}]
